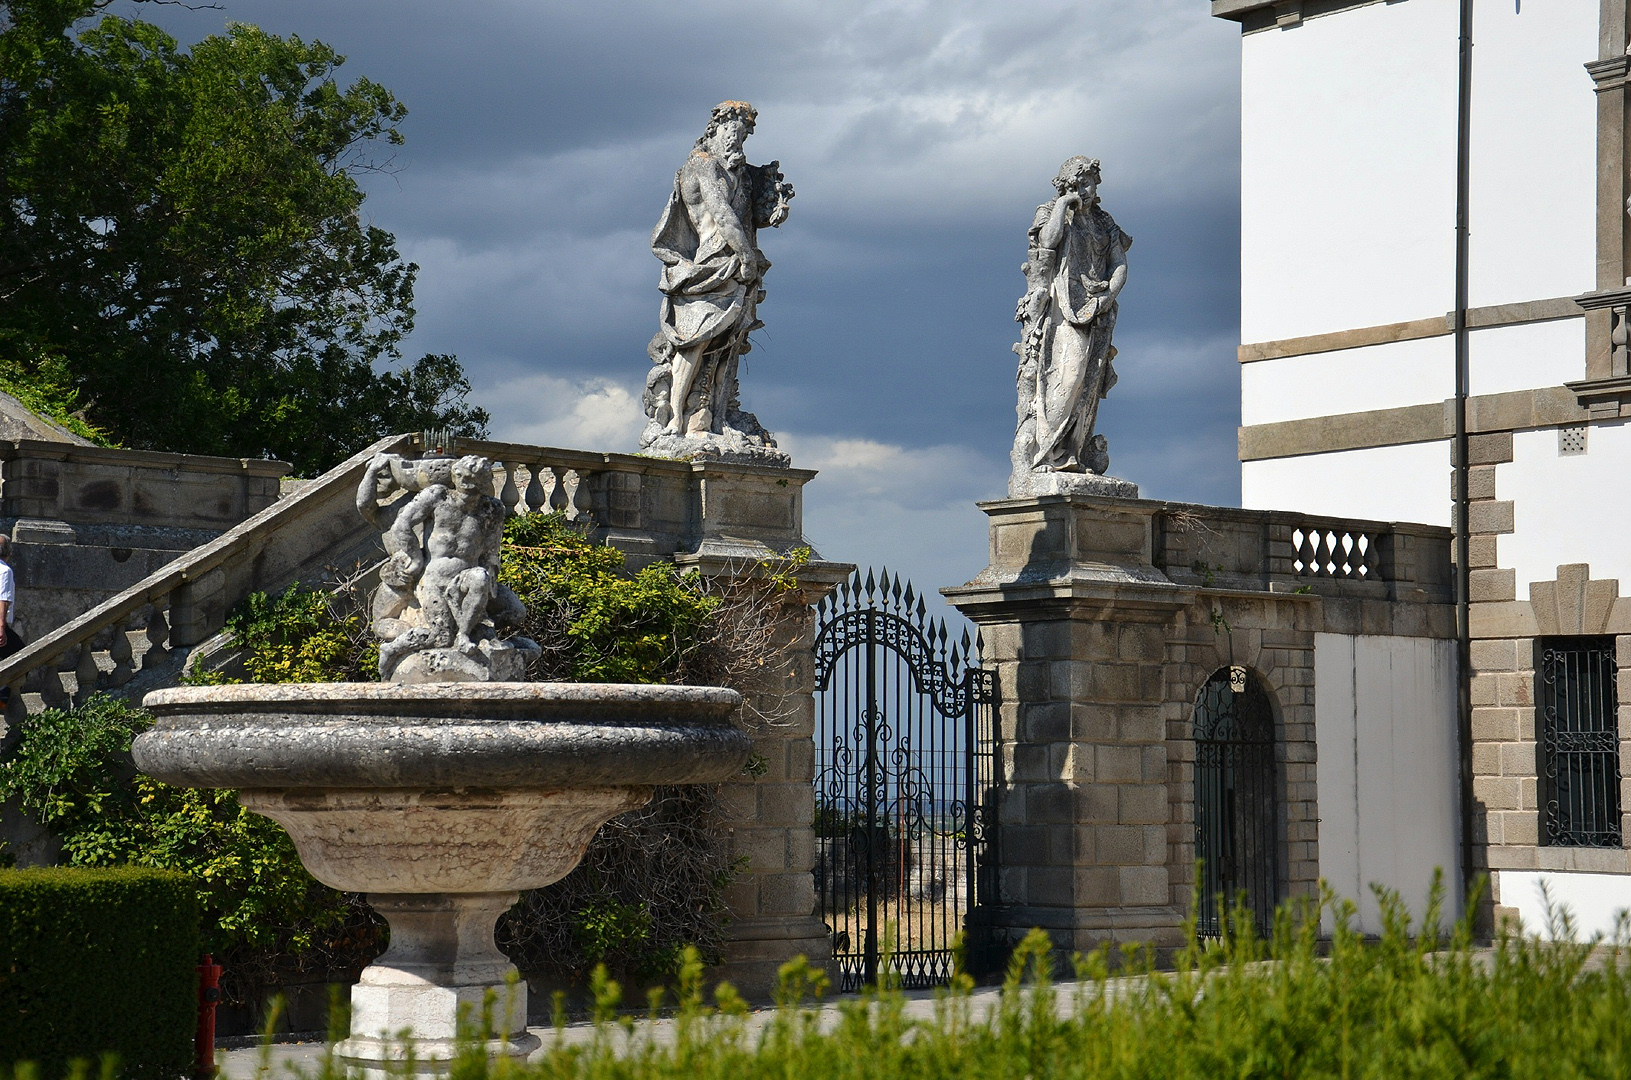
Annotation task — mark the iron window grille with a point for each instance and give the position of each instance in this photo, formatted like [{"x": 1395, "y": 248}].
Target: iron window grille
[{"x": 1580, "y": 742}]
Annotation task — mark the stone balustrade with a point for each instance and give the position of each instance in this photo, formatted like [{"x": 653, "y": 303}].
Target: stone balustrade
[
  {"x": 110, "y": 488},
  {"x": 1280, "y": 551}
]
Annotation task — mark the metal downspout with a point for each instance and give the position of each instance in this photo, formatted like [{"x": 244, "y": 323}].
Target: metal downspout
[{"x": 1462, "y": 545}]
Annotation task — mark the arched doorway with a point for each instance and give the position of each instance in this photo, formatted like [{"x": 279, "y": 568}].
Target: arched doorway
[{"x": 1236, "y": 805}]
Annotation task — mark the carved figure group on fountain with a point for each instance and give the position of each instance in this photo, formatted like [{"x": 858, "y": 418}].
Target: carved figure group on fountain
[
  {"x": 440, "y": 607},
  {"x": 712, "y": 285}
]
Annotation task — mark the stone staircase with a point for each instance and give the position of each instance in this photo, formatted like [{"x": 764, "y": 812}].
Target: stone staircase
[{"x": 703, "y": 513}]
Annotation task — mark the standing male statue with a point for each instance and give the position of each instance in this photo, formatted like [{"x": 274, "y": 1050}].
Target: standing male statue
[
  {"x": 711, "y": 282},
  {"x": 1076, "y": 268}
]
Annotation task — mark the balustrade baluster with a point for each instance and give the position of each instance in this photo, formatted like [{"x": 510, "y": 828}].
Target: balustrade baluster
[
  {"x": 557, "y": 494},
  {"x": 86, "y": 673},
  {"x": 121, "y": 654},
  {"x": 16, "y": 710},
  {"x": 582, "y": 504},
  {"x": 1307, "y": 552},
  {"x": 537, "y": 498},
  {"x": 52, "y": 692},
  {"x": 158, "y": 638},
  {"x": 509, "y": 494}
]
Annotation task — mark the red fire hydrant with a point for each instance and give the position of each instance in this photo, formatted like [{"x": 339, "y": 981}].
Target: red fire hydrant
[{"x": 209, "y": 992}]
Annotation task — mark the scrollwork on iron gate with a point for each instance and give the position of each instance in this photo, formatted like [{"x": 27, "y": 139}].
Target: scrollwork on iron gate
[{"x": 904, "y": 771}]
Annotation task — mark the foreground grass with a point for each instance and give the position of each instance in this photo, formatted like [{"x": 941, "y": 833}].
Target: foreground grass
[{"x": 1416, "y": 1003}]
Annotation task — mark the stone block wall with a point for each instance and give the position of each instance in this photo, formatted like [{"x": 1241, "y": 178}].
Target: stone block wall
[
  {"x": 772, "y": 814},
  {"x": 88, "y": 521},
  {"x": 1103, "y": 619},
  {"x": 1274, "y": 639}
]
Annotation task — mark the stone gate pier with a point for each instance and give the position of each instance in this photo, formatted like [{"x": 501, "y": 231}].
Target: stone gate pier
[{"x": 1114, "y": 626}]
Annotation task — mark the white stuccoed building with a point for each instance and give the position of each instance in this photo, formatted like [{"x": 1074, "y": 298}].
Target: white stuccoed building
[{"x": 1349, "y": 140}]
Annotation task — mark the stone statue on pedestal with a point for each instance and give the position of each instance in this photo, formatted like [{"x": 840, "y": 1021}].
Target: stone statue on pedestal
[
  {"x": 1076, "y": 267},
  {"x": 713, "y": 270},
  {"x": 439, "y": 604}
]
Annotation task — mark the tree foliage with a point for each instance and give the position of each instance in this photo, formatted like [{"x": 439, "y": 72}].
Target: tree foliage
[{"x": 181, "y": 235}]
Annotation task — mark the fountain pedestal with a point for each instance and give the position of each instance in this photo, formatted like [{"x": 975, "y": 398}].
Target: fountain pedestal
[
  {"x": 441, "y": 802},
  {"x": 442, "y": 968}
]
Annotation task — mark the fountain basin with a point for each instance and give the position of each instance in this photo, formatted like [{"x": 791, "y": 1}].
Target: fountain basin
[
  {"x": 391, "y": 735},
  {"x": 441, "y": 801}
]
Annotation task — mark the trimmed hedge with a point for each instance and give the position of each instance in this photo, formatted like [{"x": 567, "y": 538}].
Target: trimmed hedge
[{"x": 99, "y": 961}]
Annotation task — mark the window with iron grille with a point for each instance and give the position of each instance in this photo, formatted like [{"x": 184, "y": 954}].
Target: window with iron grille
[{"x": 1580, "y": 741}]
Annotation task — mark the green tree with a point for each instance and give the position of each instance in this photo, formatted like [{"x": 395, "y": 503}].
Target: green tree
[{"x": 183, "y": 258}]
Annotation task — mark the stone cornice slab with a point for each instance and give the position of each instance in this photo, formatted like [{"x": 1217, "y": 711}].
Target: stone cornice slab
[
  {"x": 1255, "y": 15},
  {"x": 1518, "y": 410},
  {"x": 1479, "y": 318}
]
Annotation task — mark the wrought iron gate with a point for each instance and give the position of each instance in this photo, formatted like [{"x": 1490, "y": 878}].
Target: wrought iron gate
[
  {"x": 902, "y": 784},
  {"x": 1236, "y": 820}
]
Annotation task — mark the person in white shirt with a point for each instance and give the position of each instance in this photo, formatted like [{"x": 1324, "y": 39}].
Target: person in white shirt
[
  {"x": 10, "y": 640},
  {"x": 8, "y": 584}
]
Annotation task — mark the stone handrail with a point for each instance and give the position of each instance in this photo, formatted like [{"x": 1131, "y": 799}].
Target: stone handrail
[{"x": 651, "y": 508}]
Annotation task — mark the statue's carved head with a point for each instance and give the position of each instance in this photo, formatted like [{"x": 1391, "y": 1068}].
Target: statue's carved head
[
  {"x": 1075, "y": 173},
  {"x": 473, "y": 473},
  {"x": 726, "y": 112}
]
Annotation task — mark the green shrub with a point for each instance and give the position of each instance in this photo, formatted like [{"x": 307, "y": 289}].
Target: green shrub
[
  {"x": 96, "y": 962},
  {"x": 303, "y": 635},
  {"x": 595, "y": 621}
]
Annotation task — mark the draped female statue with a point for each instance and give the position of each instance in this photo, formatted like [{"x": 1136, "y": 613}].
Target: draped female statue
[{"x": 1075, "y": 270}]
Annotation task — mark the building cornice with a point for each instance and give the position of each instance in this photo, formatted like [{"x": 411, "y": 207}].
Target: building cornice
[
  {"x": 1255, "y": 15},
  {"x": 1611, "y": 73},
  {"x": 1479, "y": 318},
  {"x": 1517, "y": 410}
]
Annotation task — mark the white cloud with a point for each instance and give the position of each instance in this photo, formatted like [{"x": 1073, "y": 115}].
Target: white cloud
[
  {"x": 908, "y": 508},
  {"x": 573, "y": 414}
]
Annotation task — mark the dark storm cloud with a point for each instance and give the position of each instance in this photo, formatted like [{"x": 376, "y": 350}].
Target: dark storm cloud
[{"x": 543, "y": 137}]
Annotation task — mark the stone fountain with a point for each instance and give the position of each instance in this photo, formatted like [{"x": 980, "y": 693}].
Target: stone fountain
[{"x": 446, "y": 790}]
